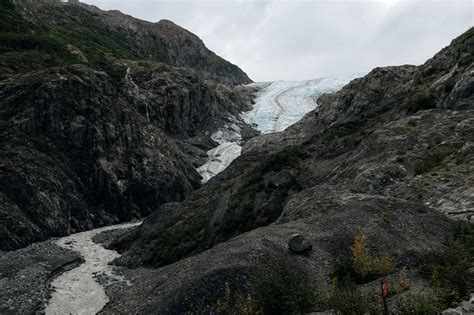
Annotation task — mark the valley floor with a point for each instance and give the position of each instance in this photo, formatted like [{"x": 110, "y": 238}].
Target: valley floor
[
  {"x": 77, "y": 291},
  {"x": 69, "y": 275}
]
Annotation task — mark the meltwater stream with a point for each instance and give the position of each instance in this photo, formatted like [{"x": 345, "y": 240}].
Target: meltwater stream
[{"x": 77, "y": 291}]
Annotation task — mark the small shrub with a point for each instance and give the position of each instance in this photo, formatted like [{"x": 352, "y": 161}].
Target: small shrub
[
  {"x": 235, "y": 303},
  {"x": 360, "y": 256},
  {"x": 222, "y": 305},
  {"x": 382, "y": 266},
  {"x": 421, "y": 101},
  {"x": 416, "y": 304},
  {"x": 245, "y": 306},
  {"x": 430, "y": 161},
  {"x": 404, "y": 282},
  {"x": 346, "y": 298},
  {"x": 387, "y": 217},
  {"x": 448, "y": 269},
  {"x": 283, "y": 289},
  {"x": 359, "y": 267}
]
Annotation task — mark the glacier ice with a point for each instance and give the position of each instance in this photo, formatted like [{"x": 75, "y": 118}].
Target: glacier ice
[
  {"x": 278, "y": 105},
  {"x": 218, "y": 159}
]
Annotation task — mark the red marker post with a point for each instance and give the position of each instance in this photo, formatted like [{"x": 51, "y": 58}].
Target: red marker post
[{"x": 384, "y": 289}]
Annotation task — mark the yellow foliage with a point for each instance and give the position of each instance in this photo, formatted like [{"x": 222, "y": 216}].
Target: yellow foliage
[
  {"x": 360, "y": 255},
  {"x": 363, "y": 264},
  {"x": 222, "y": 305},
  {"x": 243, "y": 305},
  {"x": 404, "y": 280}
]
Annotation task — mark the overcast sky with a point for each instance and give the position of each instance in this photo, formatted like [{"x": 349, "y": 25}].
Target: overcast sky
[{"x": 306, "y": 39}]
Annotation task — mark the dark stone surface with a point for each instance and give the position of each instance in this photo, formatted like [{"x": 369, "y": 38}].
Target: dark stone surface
[{"x": 390, "y": 156}]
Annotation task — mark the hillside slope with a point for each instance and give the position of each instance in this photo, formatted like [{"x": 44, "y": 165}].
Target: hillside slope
[
  {"x": 389, "y": 156},
  {"x": 103, "y": 117}
]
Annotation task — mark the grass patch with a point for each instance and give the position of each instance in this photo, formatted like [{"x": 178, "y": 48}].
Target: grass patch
[
  {"x": 420, "y": 101},
  {"x": 280, "y": 288},
  {"x": 174, "y": 240},
  {"x": 431, "y": 160}
]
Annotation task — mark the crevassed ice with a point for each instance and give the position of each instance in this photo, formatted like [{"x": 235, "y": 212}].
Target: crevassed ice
[{"x": 278, "y": 105}]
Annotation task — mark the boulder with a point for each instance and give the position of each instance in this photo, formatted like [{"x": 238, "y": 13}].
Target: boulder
[{"x": 299, "y": 244}]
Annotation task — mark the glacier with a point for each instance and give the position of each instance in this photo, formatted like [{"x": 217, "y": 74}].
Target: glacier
[{"x": 278, "y": 105}]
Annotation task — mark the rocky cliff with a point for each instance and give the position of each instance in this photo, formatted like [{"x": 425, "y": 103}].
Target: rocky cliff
[
  {"x": 389, "y": 156},
  {"x": 103, "y": 117}
]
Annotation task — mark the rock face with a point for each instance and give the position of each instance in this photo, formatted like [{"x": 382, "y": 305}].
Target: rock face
[
  {"x": 390, "y": 155},
  {"x": 77, "y": 155},
  {"x": 92, "y": 131}
]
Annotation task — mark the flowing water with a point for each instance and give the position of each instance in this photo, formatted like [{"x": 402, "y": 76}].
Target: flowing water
[{"x": 77, "y": 291}]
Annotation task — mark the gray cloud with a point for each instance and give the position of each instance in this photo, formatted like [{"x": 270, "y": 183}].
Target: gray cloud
[{"x": 304, "y": 39}]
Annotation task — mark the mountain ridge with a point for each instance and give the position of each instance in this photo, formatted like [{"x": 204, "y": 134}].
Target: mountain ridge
[{"x": 116, "y": 117}]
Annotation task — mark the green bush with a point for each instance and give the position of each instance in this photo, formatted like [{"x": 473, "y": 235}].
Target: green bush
[
  {"x": 448, "y": 269},
  {"x": 281, "y": 288},
  {"x": 421, "y": 101},
  {"x": 430, "y": 161}
]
